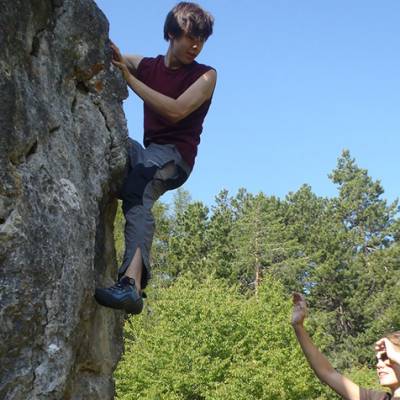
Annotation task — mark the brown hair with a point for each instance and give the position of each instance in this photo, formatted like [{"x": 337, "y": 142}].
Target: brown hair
[
  {"x": 394, "y": 337},
  {"x": 188, "y": 18}
]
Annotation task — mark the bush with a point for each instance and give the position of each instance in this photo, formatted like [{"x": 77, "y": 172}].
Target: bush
[{"x": 209, "y": 341}]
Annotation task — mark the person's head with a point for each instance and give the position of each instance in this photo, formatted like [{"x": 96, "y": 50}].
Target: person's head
[
  {"x": 187, "y": 27},
  {"x": 389, "y": 372},
  {"x": 190, "y": 19}
]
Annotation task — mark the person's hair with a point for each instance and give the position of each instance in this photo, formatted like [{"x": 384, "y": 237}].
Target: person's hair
[
  {"x": 188, "y": 18},
  {"x": 394, "y": 337}
]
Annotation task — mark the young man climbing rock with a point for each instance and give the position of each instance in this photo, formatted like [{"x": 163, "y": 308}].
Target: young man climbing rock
[{"x": 177, "y": 92}]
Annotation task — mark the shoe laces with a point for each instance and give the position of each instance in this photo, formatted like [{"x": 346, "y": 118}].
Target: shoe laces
[
  {"x": 121, "y": 285},
  {"x": 117, "y": 286}
]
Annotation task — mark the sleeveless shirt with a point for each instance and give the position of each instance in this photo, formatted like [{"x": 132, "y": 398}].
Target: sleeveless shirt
[{"x": 185, "y": 134}]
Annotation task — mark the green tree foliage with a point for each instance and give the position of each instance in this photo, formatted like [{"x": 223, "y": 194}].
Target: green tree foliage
[
  {"x": 119, "y": 223},
  {"x": 358, "y": 263},
  {"x": 209, "y": 341},
  {"x": 260, "y": 238},
  {"x": 187, "y": 242},
  {"x": 181, "y": 202},
  {"x": 364, "y": 214},
  {"x": 342, "y": 252},
  {"x": 221, "y": 246}
]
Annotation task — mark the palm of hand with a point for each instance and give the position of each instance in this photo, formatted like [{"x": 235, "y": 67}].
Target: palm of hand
[{"x": 299, "y": 309}]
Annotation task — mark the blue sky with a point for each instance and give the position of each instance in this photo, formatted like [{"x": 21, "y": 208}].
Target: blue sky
[{"x": 298, "y": 81}]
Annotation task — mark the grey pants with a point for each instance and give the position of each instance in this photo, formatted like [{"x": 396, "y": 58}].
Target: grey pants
[{"x": 152, "y": 171}]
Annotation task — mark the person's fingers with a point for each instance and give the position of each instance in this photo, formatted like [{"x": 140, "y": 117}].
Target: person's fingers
[
  {"x": 297, "y": 298},
  {"x": 116, "y": 53},
  {"x": 121, "y": 66},
  {"x": 380, "y": 344},
  {"x": 117, "y": 64}
]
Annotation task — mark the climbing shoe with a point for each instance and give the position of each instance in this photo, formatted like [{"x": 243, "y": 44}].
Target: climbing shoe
[{"x": 122, "y": 296}]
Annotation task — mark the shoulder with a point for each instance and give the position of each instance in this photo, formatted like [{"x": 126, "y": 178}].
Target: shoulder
[
  {"x": 148, "y": 61},
  {"x": 204, "y": 67},
  {"x": 147, "y": 66},
  {"x": 203, "y": 70},
  {"x": 209, "y": 76}
]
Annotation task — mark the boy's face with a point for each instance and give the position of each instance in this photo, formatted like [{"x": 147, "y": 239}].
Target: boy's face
[{"x": 186, "y": 48}]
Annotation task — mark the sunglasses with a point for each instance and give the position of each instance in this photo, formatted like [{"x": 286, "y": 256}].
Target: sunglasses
[{"x": 383, "y": 357}]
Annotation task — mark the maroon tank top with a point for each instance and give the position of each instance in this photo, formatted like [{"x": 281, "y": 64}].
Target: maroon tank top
[{"x": 185, "y": 134}]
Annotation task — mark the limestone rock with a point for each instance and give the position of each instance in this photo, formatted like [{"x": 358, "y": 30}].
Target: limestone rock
[{"x": 62, "y": 158}]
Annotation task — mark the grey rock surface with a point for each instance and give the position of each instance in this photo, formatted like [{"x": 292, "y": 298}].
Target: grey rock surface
[{"x": 62, "y": 158}]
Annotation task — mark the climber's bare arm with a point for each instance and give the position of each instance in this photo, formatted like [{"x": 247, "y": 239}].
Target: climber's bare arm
[{"x": 132, "y": 61}]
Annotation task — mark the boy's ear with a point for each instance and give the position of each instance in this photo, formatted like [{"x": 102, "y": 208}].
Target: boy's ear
[{"x": 171, "y": 36}]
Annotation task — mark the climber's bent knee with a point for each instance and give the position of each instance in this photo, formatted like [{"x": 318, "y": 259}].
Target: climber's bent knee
[{"x": 135, "y": 184}]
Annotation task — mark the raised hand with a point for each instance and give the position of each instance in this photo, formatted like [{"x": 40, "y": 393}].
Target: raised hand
[
  {"x": 117, "y": 56},
  {"x": 118, "y": 60},
  {"x": 299, "y": 309},
  {"x": 384, "y": 345}
]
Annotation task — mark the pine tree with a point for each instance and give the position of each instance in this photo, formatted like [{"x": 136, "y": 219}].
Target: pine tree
[
  {"x": 187, "y": 244},
  {"x": 220, "y": 237}
]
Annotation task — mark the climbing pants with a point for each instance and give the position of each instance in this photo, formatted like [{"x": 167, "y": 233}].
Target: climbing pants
[{"x": 151, "y": 172}]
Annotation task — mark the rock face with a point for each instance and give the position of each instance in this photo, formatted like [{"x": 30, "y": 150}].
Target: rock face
[{"x": 62, "y": 157}]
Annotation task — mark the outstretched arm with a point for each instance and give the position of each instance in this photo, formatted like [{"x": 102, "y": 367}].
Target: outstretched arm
[
  {"x": 172, "y": 109},
  {"x": 318, "y": 362}
]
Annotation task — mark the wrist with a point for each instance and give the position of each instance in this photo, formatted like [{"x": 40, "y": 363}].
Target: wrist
[
  {"x": 129, "y": 79},
  {"x": 396, "y": 359},
  {"x": 298, "y": 326}
]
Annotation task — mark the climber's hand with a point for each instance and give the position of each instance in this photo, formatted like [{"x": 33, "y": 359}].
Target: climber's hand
[
  {"x": 117, "y": 56},
  {"x": 123, "y": 67}
]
